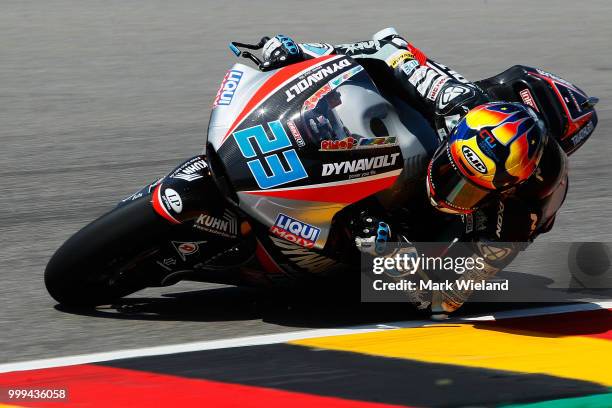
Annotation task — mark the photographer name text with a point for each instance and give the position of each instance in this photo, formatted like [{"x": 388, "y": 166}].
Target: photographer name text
[{"x": 472, "y": 285}]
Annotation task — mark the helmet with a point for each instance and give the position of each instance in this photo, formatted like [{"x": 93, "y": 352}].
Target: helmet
[{"x": 495, "y": 147}]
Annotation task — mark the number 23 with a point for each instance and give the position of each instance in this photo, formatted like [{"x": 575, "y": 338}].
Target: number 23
[{"x": 280, "y": 140}]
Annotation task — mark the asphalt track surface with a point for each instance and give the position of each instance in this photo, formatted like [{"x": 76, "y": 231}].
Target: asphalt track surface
[{"x": 99, "y": 98}]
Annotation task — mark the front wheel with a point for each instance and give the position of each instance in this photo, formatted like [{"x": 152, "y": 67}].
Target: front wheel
[{"x": 103, "y": 261}]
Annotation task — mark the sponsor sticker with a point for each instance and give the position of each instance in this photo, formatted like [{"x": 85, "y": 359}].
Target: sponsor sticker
[
  {"x": 487, "y": 142},
  {"x": 187, "y": 248},
  {"x": 386, "y": 141},
  {"x": 528, "y": 99},
  {"x": 359, "y": 165},
  {"x": 409, "y": 66},
  {"x": 474, "y": 160},
  {"x": 360, "y": 46},
  {"x": 316, "y": 49},
  {"x": 133, "y": 197},
  {"x": 295, "y": 231},
  {"x": 398, "y": 57},
  {"x": 296, "y": 133},
  {"x": 311, "y": 102},
  {"x": 436, "y": 87},
  {"x": 173, "y": 199},
  {"x": 583, "y": 133},
  {"x": 225, "y": 225},
  {"x": 350, "y": 143},
  {"x": 553, "y": 77},
  {"x": 322, "y": 72},
  {"x": 226, "y": 91},
  {"x": 347, "y": 143},
  {"x": 191, "y": 170},
  {"x": 500, "y": 219},
  {"x": 184, "y": 249}
]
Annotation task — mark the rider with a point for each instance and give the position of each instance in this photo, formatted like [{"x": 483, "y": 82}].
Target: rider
[{"x": 497, "y": 166}]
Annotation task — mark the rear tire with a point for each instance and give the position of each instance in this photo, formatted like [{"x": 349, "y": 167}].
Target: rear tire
[{"x": 99, "y": 263}]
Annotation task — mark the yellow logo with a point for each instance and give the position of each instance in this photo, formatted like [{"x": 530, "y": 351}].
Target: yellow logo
[{"x": 398, "y": 57}]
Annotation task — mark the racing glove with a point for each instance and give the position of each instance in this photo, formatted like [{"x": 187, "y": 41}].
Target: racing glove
[
  {"x": 371, "y": 235},
  {"x": 280, "y": 51}
]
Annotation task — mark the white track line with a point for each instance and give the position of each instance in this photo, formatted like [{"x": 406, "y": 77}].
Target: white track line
[
  {"x": 546, "y": 310},
  {"x": 282, "y": 338}
]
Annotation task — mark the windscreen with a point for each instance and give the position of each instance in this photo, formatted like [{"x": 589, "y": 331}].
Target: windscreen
[{"x": 345, "y": 112}]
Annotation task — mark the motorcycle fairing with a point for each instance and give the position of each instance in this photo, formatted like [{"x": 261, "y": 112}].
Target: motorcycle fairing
[{"x": 323, "y": 125}]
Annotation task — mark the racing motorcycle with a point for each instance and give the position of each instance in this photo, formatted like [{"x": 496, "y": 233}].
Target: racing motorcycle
[{"x": 293, "y": 157}]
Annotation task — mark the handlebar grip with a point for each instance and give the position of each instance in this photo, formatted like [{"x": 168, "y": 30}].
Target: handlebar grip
[{"x": 234, "y": 49}]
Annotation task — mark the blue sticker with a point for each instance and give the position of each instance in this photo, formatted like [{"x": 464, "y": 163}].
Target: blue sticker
[
  {"x": 256, "y": 135},
  {"x": 315, "y": 49}
]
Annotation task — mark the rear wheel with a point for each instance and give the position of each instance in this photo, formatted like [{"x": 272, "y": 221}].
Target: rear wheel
[{"x": 104, "y": 261}]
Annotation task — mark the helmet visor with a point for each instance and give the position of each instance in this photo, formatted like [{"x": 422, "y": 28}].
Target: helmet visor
[{"x": 449, "y": 189}]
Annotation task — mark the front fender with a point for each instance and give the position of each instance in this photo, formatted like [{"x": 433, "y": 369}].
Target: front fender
[{"x": 186, "y": 192}]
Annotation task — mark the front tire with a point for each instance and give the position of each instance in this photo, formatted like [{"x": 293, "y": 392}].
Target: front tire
[{"x": 100, "y": 263}]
